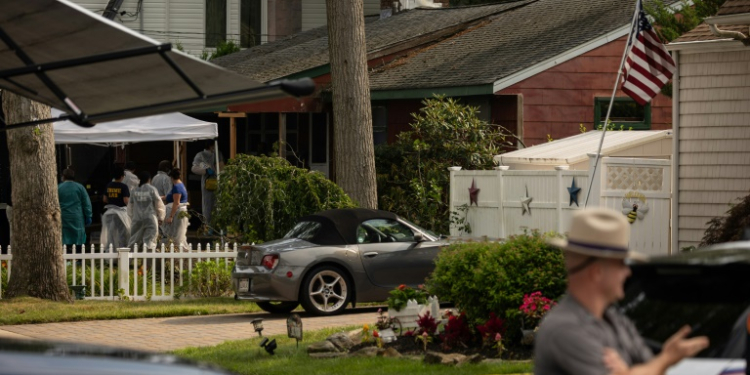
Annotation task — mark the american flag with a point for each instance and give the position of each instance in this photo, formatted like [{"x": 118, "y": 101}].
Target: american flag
[{"x": 648, "y": 66}]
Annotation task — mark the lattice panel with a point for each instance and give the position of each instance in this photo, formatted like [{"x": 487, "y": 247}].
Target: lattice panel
[{"x": 635, "y": 178}]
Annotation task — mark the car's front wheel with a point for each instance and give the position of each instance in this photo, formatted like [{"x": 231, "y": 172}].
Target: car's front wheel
[
  {"x": 326, "y": 291},
  {"x": 278, "y": 307}
]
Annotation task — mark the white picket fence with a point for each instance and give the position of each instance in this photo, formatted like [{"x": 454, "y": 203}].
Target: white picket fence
[{"x": 155, "y": 275}]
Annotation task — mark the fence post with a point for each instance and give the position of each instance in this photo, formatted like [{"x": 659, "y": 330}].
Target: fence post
[
  {"x": 123, "y": 270},
  {"x": 560, "y": 189}
]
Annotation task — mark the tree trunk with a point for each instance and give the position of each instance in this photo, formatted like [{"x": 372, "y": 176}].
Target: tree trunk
[
  {"x": 38, "y": 265},
  {"x": 352, "y": 137}
]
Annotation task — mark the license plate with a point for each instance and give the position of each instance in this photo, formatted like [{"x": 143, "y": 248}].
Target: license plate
[{"x": 244, "y": 285}]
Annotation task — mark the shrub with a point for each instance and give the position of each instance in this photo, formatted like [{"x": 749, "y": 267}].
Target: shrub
[
  {"x": 456, "y": 332},
  {"x": 493, "y": 327},
  {"x": 427, "y": 324},
  {"x": 412, "y": 173},
  {"x": 260, "y": 198},
  {"x": 734, "y": 226},
  {"x": 485, "y": 277},
  {"x": 399, "y": 296},
  {"x": 208, "y": 279},
  {"x": 4, "y": 276}
]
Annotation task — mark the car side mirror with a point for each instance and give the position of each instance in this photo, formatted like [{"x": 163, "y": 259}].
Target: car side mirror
[{"x": 419, "y": 237}]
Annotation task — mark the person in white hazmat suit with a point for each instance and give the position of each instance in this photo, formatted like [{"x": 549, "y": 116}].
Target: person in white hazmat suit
[
  {"x": 204, "y": 164},
  {"x": 146, "y": 212}
]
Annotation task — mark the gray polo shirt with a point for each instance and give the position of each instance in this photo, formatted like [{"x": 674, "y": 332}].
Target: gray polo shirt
[{"x": 571, "y": 341}]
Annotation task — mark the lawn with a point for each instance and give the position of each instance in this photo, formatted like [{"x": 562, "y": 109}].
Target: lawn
[
  {"x": 27, "y": 310},
  {"x": 247, "y": 357}
]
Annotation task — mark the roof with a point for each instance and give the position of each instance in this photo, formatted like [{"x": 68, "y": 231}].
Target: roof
[
  {"x": 96, "y": 70},
  {"x": 702, "y": 33},
  {"x": 572, "y": 150},
  {"x": 346, "y": 220},
  {"x": 309, "y": 50}
]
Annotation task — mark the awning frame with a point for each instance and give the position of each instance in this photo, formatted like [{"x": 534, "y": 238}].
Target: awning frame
[{"x": 270, "y": 91}]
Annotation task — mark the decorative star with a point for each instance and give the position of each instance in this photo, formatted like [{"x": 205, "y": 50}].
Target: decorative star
[
  {"x": 525, "y": 201},
  {"x": 473, "y": 193},
  {"x": 573, "y": 190}
]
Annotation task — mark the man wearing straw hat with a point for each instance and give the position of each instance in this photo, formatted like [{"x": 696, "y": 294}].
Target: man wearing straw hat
[{"x": 584, "y": 334}]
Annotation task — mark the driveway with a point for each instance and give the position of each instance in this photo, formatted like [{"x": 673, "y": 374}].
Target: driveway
[{"x": 165, "y": 334}]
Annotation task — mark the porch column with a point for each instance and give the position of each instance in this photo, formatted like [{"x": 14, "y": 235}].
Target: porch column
[{"x": 232, "y": 130}]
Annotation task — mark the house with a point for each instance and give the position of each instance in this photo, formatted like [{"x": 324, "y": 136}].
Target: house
[
  {"x": 711, "y": 107},
  {"x": 538, "y": 75},
  {"x": 198, "y": 25}
]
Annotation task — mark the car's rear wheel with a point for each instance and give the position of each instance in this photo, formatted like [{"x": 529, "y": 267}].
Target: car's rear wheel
[
  {"x": 326, "y": 291},
  {"x": 278, "y": 307}
]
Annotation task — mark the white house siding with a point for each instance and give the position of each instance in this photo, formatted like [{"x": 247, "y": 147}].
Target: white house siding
[
  {"x": 314, "y": 12},
  {"x": 714, "y": 138},
  {"x": 176, "y": 21}
]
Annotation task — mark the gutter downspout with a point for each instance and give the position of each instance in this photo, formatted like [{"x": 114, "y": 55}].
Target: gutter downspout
[
  {"x": 736, "y": 35},
  {"x": 675, "y": 221}
]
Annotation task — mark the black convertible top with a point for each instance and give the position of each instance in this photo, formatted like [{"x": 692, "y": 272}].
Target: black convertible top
[{"x": 344, "y": 223}]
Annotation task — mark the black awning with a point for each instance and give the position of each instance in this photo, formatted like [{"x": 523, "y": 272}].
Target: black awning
[{"x": 96, "y": 70}]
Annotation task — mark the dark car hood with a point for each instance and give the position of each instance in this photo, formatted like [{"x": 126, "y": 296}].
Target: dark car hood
[
  {"x": 21, "y": 357},
  {"x": 285, "y": 244}
]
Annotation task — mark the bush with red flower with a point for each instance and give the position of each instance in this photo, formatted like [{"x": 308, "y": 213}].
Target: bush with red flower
[
  {"x": 534, "y": 307},
  {"x": 402, "y": 294}
]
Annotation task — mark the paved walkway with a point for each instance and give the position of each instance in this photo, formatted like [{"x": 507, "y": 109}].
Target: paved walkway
[{"x": 165, "y": 334}]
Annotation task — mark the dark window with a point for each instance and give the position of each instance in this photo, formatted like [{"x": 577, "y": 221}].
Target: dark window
[
  {"x": 626, "y": 114},
  {"x": 216, "y": 22},
  {"x": 319, "y": 135},
  {"x": 249, "y": 23},
  {"x": 379, "y": 125},
  {"x": 304, "y": 230},
  {"x": 383, "y": 230}
]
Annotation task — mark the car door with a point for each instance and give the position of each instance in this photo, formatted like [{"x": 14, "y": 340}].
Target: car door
[{"x": 391, "y": 256}]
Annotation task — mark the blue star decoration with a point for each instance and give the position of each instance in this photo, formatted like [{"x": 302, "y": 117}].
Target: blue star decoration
[
  {"x": 473, "y": 193},
  {"x": 573, "y": 190},
  {"x": 525, "y": 201}
]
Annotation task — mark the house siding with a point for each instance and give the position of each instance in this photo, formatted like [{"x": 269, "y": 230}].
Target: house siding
[
  {"x": 557, "y": 100},
  {"x": 714, "y": 138},
  {"x": 314, "y": 12}
]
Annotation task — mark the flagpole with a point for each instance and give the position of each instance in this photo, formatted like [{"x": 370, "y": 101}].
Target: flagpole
[{"x": 612, "y": 99}]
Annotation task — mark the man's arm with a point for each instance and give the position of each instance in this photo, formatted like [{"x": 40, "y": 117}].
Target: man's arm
[{"x": 675, "y": 349}]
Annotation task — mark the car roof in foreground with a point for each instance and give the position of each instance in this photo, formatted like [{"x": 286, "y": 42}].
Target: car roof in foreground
[
  {"x": 708, "y": 275},
  {"x": 27, "y": 357},
  {"x": 346, "y": 220}
]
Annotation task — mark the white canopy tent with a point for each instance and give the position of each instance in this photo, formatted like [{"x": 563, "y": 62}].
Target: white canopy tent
[{"x": 165, "y": 127}]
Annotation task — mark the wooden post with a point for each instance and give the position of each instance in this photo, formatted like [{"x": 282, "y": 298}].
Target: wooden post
[
  {"x": 232, "y": 137},
  {"x": 282, "y": 135}
]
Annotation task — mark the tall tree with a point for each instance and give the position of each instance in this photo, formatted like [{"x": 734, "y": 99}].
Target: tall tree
[
  {"x": 38, "y": 265},
  {"x": 352, "y": 114}
]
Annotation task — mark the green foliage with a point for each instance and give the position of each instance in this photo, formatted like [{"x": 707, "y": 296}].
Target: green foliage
[
  {"x": 208, "y": 279},
  {"x": 486, "y": 277},
  {"x": 260, "y": 198},
  {"x": 225, "y": 47},
  {"x": 399, "y": 296},
  {"x": 671, "y": 25},
  {"x": 413, "y": 179},
  {"x": 4, "y": 276},
  {"x": 732, "y": 227}
]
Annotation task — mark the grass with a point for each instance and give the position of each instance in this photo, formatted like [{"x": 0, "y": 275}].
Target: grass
[
  {"x": 247, "y": 357},
  {"x": 26, "y": 310}
]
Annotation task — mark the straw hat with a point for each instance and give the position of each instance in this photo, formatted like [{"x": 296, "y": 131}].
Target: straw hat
[{"x": 599, "y": 232}]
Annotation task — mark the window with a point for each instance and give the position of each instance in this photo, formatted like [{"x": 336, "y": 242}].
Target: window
[
  {"x": 216, "y": 22},
  {"x": 379, "y": 125},
  {"x": 382, "y": 230},
  {"x": 249, "y": 23},
  {"x": 625, "y": 112},
  {"x": 304, "y": 230}
]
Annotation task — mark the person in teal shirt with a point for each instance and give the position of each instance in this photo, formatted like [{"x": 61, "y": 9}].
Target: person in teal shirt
[{"x": 75, "y": 209}]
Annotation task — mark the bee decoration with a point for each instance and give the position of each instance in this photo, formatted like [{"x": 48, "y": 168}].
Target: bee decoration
[{"x": 634, "y": 209}]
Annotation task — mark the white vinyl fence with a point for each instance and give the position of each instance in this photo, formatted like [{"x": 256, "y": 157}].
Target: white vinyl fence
[
  {"x": 133, "y": 273},
  {"x": 511, "y": 202}
]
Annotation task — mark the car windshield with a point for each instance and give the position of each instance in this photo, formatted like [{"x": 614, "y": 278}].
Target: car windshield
[
  {"x": 428, "y": 232},
  {"x": 660, "y": 300},
  {"x": 304, "y": 230}
]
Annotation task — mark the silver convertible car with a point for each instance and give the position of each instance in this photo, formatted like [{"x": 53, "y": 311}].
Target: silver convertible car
[{"x": 333, "y": 258}]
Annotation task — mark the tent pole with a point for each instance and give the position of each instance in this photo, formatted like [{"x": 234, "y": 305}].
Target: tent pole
[{"x": 216, "y": 155}]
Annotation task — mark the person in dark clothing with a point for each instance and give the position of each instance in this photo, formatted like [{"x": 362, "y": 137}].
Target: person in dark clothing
[{"x": 115, "y": 221}]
